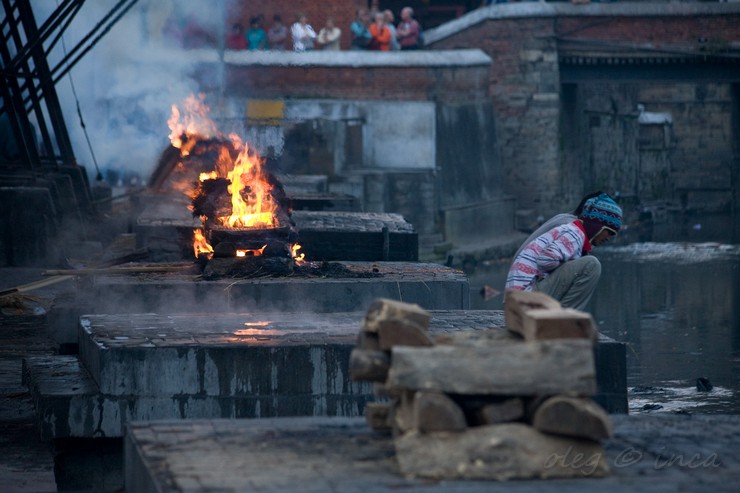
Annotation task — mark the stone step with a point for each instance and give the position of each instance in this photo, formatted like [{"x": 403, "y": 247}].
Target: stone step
[
  {"x": 155, "y": 366},
  {"x": 219, "y": 355},
  {"x": 430, "y": 285},
  {"x": 336, "y": 454},
  {"x": 69, "y": 404}
]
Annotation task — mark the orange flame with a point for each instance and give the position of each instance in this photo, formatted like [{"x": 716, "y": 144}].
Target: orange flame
[
  {"x": 200, "y": 244},
  {"x": 251, "y": 253},
  {"x": 252, "y": 202},
  {"x": 194, "y": 122},
  {"x": 299, "y": 259}
]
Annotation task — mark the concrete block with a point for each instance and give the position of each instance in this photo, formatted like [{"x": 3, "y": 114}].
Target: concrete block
[
  {"x": 155, "y": 366},
  {"x": 69, "y": 404}
]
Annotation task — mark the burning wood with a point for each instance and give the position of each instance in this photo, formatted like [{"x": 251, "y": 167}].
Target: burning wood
[
  {"x": 244, "y": 210},
  {"x": 498, "y": 407}
]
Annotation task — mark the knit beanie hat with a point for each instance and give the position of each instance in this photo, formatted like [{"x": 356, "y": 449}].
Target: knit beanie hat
[{"x": 599, "y": 212}]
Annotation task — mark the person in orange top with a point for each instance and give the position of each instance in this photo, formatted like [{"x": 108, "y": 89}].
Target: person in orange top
[{"x": 381, "y": 35}]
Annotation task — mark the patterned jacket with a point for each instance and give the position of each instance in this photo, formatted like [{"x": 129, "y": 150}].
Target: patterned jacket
[{"x": 546, "y": 253}]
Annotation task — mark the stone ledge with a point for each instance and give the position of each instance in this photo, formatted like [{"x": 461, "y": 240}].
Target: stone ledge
[{"x": 648, "y": 453}]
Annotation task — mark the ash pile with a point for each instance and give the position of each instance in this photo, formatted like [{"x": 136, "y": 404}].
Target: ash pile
[{"x": 492, "y": 405}]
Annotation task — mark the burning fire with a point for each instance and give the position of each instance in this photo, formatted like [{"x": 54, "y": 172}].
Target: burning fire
[
  {"x": 237, "y": 174},
  {"x": 200, "y": 244},
  {"x": 194, "y": 123},
  {"x": 299, "y": 259},
  {"x": 251, "y": 253},
  {"x": 251, "y": 202}
]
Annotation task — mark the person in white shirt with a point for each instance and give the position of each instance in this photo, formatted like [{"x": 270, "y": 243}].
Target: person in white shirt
[
  {"x": 303, "y": 34},
  {"x": 329, "y": 36}
]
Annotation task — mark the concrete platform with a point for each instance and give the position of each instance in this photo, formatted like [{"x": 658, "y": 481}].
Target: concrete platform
[
  {"x": 432, "y": 286},
  {"x": 648, "y": 453},
  {"x": 185, "y": 366}
]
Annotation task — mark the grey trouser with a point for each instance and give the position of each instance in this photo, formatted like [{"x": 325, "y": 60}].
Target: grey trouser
[{"x": 573, "y": 283}]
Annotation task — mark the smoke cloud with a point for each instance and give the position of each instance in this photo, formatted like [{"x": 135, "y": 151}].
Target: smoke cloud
[{"x": 128, "y": 82}]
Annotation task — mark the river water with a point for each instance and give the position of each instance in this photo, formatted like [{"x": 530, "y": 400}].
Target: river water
[{"x": 675, "y": 302}]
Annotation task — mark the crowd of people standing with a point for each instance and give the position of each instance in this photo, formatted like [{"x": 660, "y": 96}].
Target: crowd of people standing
[{"x": 370, "y": 30}]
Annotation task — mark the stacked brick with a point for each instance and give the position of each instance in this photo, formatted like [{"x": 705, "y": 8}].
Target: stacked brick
[{"x": 498, "y": 404}]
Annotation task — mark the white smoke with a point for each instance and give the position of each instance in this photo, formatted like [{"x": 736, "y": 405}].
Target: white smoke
[{"x": 128, "y": 82}]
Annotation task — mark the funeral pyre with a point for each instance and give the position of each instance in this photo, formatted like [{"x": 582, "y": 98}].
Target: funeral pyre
[{"x": 247, "y": 228}]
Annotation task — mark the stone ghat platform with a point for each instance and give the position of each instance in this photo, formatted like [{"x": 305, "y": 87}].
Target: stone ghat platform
[
  {"x": 432, "y": 286},
  {"x": 648, "y": 453},
  {"x": 165, "y": 228},
  {"x": 146, "y": 366}
]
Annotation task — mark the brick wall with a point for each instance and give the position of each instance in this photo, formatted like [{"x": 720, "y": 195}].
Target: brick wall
[
  {"x": 547, "y": 166},
  {"x": 381, "y": 83},
  {"x": 524, "y": 88}
]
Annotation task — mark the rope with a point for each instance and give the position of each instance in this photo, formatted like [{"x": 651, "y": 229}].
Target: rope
[{"x": 99, "y": 175}]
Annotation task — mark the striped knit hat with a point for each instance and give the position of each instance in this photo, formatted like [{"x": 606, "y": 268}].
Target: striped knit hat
[{"x": 601, "y": 211}]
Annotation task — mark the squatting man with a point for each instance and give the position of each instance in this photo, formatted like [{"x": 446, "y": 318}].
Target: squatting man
[{"x": 555, "y": 259}]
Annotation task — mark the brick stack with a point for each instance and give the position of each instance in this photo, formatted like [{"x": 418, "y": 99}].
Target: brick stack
[{"x": 498, "y": 404}]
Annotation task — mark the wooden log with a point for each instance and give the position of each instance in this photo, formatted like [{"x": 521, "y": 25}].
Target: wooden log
[
  {"x": 403, "y": 413},
  {"x": 509, "y": 369},
  {"x": 383, "y": 393},
  {"x": 368, "y": 340},
  {"x": 435, "y": 411},
  {"x": 23, "y": 288},
  {"x": 369, "y": 365},
  {"x": 379, "y": 415},
  {"x": 401, "y": 333},
  {"x": 384, "y": 309},
  {"x": 499, "y": 452},
  {"x": 558, "y": 323},
  {"x": 572, "y": 416},
  {"x": 519, "y": 302},
  {"x": 501, "y": 412}
]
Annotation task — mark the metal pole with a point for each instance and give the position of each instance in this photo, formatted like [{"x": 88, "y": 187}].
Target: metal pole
[{"x": 45, "y": 82}]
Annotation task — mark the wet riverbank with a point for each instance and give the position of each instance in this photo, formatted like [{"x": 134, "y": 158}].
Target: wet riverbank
[{"x": 676, "y": 303}]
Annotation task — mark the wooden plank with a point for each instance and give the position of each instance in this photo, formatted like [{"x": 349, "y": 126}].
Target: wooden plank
[
  {"x": 368, "y": 365},
  {"x": 402, "y": 333},
  {"x": 384, "y": 310},
  {"x": 558, "y": 323},
  {"x": 509, "y": 369},
  {"x": 519, "y": 302},
  {"x": 368, "y": 340}
]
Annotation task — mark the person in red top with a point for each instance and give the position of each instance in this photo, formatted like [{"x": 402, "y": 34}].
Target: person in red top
[
  {"x": 236, "y": 40},
  {"x": 381, "y": 35},
  {"x": 408, "y": 30}
]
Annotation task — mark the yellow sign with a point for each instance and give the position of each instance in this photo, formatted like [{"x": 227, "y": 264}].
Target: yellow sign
[{"x": 265, "y": 112}]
